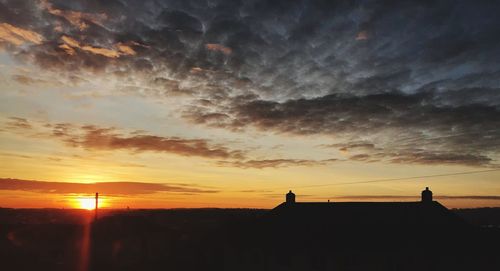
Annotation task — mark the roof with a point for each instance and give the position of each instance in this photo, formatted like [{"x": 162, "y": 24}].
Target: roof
[{"x": 397, "y": 214}]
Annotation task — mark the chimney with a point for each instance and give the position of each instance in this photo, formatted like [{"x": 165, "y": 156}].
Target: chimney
[
  {"x": 290, "y": 197},
  {"x": 426, "y": 195}
]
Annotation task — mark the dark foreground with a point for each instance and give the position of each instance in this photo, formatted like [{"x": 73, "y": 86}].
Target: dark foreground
[{"x": 237, "y": 239}]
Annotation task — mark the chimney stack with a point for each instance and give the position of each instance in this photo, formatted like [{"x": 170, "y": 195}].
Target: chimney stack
[
  {"x": 427, "y": 195},
  {"x": 290, "y": 197}
]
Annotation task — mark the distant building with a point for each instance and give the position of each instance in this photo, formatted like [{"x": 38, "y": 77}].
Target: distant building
[{"x": 423, "y": 213}]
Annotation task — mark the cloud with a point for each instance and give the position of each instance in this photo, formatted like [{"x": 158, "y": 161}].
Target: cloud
[
  {"x": 70, "y": 41},
  {"x": 405, "y": 128},
  {"x": 360, "y": 157},
  {"x": 108, "y": 138},
  {"x": 18, "y": 36},
  {"x": 362, "y": 35},
  {"x": 347, "y": 146},
  {"x": 106, "y": 188},
  {"x": 15, "y": 123},
  {"x": 101, "y": 51},
  {"x": 68, "y": 49},
  {"x": 126, "y": 49},
  {"x": 417, "y": 80},
  {"x": 218, "y": 47},
  {"x": 433, "y": 158},
  {"x": 15, "y": 155},
  {"x": 77, "y": 19},
  {"x": 92, "y": 137},
  {"x": 28, "y": 80},
  {"x": 71, "y": 44},
  {"x": 274, "y": 163}
]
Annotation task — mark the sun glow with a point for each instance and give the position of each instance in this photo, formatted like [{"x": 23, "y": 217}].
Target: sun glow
[{"x": 86, "y": 203}]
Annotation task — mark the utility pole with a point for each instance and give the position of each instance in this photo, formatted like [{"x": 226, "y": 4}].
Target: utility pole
[{"x": 96, "y": 205}]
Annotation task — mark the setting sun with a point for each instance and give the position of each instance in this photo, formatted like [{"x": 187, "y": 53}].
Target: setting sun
[{"x": 86, "y": 203}]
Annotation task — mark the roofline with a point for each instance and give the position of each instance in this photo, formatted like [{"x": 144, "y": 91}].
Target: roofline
[{"x": 337, "y": 202}]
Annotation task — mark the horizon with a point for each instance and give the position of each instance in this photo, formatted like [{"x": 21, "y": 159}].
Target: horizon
[{"x": 230, "y": 104}]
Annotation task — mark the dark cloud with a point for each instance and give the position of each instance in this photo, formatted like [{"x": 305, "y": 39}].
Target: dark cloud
[
  {"x": 369, "y": 114},
  {"x": 404, "y": 128},
  {"x": 274, "y": 163},
  {"x": 108, "y": 138},
  {"x": 107, "y": 188},
  {"x": 98, "y": 138},
  {"x": 348, "y": 146},
  {"x": 360, "y": 157},
  {"x": 15, "y": 123},
  {"x": 432, "y": 158},
  {"x": 92, "y": 137},
  {"x": 418, "y": 80}
]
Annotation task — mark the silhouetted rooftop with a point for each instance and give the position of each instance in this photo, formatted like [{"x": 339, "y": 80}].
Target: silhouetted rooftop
[{"x": 393, "y": 214}]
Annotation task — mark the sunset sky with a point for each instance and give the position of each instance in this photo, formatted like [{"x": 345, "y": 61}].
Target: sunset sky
[{"x": 166, "y": 104}]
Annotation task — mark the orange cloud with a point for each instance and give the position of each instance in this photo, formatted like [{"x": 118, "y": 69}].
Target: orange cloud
[
  {"x": 70, "y": 51},
  {"x": 219, "y": 47},
  {"x": 18, "y": 123},
  {"x": 70, "y": 44},
  {"x": 125, "y": 49},
  {"x": 70, "y": 41},
  {"x": 362, "y": 35},
  {"x": 99, "y": 138},
  {"x": 18, "y": 36},
  {"x": 101, "y": 51},
  {"x": 75, "y": 18},
  {"x": 108, "y": 188},
  {"x": 106, "y": 139},
  {"x": 196, "y": 70}
]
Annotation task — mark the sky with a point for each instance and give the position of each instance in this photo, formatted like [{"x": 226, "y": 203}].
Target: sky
[{"x": 218, "y": 103}]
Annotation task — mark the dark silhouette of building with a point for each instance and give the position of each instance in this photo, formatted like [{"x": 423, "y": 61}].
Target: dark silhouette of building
[
  {"x": 427, "y": 195},
  {"x": 422, "y": 214},
  {"x": 290, "y": 197},
  {"x": 319, "y": 236}
]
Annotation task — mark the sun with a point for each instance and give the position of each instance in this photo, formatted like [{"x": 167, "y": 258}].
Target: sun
[{"x": 86, "y": 203}]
